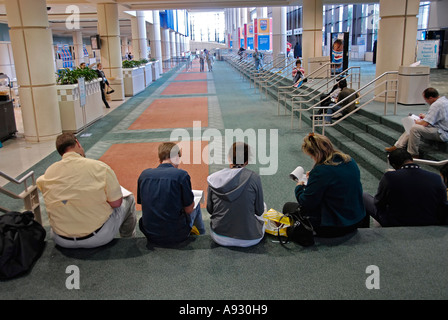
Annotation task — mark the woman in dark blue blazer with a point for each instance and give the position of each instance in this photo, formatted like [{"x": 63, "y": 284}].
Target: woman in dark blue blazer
[{"x": 332, "y": 196}]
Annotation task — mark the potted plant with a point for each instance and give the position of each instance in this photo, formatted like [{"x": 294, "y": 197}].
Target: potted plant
[
  {"x": 155, "y": 69},
  {"x": 146, "y": 65},
  {"x": 133, "y": 77},
  {"x": 74, "y": 115}
]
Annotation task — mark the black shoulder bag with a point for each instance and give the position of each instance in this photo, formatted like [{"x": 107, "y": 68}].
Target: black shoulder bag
[
  {"x": 22, "y": 241},
  {"x": 301, "y": 230}
]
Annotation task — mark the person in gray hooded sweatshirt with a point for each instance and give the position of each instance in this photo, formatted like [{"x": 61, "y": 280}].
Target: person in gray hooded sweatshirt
[{"x": 235, "y": 202}]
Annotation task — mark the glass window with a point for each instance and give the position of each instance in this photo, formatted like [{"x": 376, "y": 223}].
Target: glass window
[
  {"x": 207, "y": 26},
  {"x": 423, "y": 15}
]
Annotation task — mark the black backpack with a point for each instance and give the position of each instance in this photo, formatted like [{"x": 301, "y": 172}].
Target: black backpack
[{"x": 22, "y": 241}]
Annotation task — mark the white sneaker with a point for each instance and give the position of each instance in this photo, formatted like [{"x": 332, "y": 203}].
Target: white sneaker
[{"x": 337, "y": 115}]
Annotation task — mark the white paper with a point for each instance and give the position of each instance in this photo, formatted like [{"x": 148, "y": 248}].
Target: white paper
[
  {"x": 409, "y": 121},
  {"x": 198, "y": 197},
  {"x": 125, "y": 192},
  {"x": 298, "y": 175}
]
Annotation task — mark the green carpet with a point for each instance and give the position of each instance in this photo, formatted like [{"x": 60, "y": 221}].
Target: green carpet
[{"x": 411, "y": 261}]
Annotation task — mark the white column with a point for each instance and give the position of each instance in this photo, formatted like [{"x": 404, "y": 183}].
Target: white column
[
  {"x": 178, "y": 48},
  {"x": 156, "y": 43},
  {"x": 244, "y": 16},
  {"x": 278, "y": 32},
  {"x": 312, "y": 30},
  {"x": 173, "y": 44},
  {"x": 109, "y": 30},
  {"x": 124, "y": 46},
  {"x": 228, "y": 26},
  {"x": 139, "y": 41},
  {"x": 262, "y": 12},
  {"x": 235, "y": 29},
  {"x": 397, "y": 34},
  {"x": 31, "y": 41},
  {"x": 78, "y": 48},
  {"x": 166, "y": 47}
]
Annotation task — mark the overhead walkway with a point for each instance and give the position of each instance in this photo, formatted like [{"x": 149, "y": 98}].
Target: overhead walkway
[{"x": 127, "y": 139}]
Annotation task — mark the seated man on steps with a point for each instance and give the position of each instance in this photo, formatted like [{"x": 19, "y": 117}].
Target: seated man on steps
[
  {"x": 84, "y": 200},
  {"x": 431, "y": 126},
  {"x": 407, "y": 196},
  {"x": 349, "y": 102},
  {"x": 168, "y": 211}
]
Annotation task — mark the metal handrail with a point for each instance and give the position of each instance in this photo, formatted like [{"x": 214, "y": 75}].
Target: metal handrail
[
  {"x": 319, "y": 72},
  {"x": 246, "y": 64},
  {"x": 430, "y": 162},
  {"x": 266, "y": 72},
  {"x": 385, "y": 82},
  {"x": 274, "y": 78},
  {"x": 30, "y": 195},
  {"x": 337, "y": 78}
]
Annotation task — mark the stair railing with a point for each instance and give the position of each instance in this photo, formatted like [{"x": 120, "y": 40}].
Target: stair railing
[
  {"x": 30, "y": 195},
  {"x": 348, "y": 75},
  {"x": 276, "y": 76},
  {"x": 267, "y": 72},
  {"x": 430, "y": 162},
  {"x": 318, "y": 79},
  {"x": 388, "y": 81}
]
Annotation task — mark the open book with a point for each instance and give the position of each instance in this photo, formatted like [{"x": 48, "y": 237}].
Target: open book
[
  {"x": 409, "y": 121},
  {"x": 198, "y": 197},
  {"x": 298, "y": 175}
]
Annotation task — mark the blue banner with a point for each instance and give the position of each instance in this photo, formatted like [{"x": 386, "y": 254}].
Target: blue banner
[
  {"x": 250, "y": 43},
  {"x": 263, "y": 42}
]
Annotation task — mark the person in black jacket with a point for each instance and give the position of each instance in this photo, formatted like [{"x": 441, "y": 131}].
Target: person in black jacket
[
  {"x": 103, "y": 83},
  {"x": 408, "y": 196}
]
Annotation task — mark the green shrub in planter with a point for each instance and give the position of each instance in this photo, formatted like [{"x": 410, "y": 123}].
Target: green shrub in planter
[
  {"x": 128, "y": 64},
  {"x": 133, "y": 63},
  {"x": 67, "y": 76}
]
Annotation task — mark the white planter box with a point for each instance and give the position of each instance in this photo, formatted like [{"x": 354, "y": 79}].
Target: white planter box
[
  {"x": 133, "y": 80},
  {"x": 148, "y": 74},
  {"x": 74, "y": 118},
  {"x": 155, "y": 70}
]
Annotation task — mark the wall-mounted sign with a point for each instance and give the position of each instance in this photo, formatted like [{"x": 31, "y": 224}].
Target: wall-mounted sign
[{"x": 428, "y": 52}]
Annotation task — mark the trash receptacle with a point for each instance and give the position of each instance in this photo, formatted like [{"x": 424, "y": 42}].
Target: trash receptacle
[
  {"x": 316, "y": 63},
  {"x": 412, "y": 81}
]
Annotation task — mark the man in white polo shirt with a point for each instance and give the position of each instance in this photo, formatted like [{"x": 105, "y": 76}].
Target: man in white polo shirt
[
  {"x": 431, "y": 126},
  {"x": 83, "y": 199}
]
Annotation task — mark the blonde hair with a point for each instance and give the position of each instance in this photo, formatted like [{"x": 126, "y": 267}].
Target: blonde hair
[
  {"x": 322, "y": 150},
  {"x": 168, "y": 150}
]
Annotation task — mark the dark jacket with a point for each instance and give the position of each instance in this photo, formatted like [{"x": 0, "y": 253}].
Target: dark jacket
[
  {"x": 235, "y": 196},
  {"x": 101, "y": 75},
  {"x": 333, "y": 195},
  {"x": 345, "y": 92},
  {"x": 410, "y": 196}
]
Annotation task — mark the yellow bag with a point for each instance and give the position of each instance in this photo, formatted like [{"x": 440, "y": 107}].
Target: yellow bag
[{"x": 276, "y": 221}]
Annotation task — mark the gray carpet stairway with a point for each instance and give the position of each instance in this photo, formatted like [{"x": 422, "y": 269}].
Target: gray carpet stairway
[{"x": 364, "y": 135}]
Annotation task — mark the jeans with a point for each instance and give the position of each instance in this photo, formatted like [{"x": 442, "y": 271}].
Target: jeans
[
  {"x": 196, "y": 219},
  {"x": 330, "y": 111}
]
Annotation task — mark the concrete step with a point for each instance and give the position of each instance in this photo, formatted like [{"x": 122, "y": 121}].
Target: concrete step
[{"x": 371, "y": 162}]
